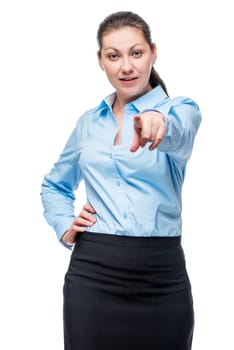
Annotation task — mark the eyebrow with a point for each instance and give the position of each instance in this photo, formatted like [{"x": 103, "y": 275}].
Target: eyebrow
[{"x": 132, "y": 47}]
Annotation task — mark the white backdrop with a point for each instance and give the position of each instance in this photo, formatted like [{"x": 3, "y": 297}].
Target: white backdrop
[{"x": 48, "y": 77}]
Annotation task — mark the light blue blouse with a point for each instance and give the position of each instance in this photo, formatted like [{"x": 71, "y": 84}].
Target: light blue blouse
[{"x": 133, "y": 193}]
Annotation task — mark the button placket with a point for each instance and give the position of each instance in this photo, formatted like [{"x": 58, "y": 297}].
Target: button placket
[{"x": 120, "y": 193}]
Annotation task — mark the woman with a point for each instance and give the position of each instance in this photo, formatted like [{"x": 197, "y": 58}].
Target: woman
[{"x": 126, "y": 286}]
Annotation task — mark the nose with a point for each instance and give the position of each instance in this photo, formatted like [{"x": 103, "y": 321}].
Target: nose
[{"x": 127, "y": 65}]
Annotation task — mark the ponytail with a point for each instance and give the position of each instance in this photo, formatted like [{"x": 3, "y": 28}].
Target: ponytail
[{"x": 155, "y": 80}]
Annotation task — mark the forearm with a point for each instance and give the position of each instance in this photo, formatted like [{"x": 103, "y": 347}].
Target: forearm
[
  {"x": 182, "y": 121},
  {"x": 58, "y": 209}
]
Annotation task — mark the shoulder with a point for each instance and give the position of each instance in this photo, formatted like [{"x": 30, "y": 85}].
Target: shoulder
[
  {"x": 184, "y": 102},
  {"x": 186, "y": 109},
  {"x": 180, "y": 105},
  {"x": 87, "y": 116},
  {"x": 87, "y": 120},
  {"x": 183, "y": 105}
]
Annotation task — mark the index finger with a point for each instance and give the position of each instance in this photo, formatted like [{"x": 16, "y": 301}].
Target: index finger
[
  {"x": 89, "y": 208},
  {"x": 160, "y": 135}
]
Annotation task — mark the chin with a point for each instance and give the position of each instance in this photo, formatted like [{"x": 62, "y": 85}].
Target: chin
[{"x": 134, "y": 94}]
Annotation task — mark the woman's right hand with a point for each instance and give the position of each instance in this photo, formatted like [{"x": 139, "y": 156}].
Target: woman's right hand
[{"x": 82, "y": 221}]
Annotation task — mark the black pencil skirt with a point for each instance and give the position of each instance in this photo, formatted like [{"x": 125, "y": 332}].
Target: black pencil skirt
[{"x": 127, "y": 293}]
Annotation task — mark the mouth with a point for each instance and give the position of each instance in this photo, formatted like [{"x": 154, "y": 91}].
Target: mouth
[{"x": 128, "y": 79}]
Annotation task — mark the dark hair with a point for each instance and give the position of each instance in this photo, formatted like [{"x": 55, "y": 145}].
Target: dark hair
[{"x": 127, "y": 18}]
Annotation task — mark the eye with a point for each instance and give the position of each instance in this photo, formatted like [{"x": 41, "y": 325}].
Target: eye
[
  {"x": 137, "y": 53},
  {"x": 113, "y": 56}
]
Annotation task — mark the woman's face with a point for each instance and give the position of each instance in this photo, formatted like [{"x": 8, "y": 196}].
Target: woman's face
[{"x": 127, "y": 60}]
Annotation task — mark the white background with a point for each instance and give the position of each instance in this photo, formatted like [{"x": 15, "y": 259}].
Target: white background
[{"x": 48, "y": 77}]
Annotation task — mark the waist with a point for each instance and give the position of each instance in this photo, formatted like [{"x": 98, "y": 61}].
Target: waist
[{"x": 134, "y": 241}]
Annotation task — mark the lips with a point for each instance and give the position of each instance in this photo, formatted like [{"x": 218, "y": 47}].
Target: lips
[{"x": 128, "y": 79}]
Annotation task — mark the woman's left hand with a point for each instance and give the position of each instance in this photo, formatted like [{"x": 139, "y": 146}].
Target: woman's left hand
[{"x": 148, "y": 127}]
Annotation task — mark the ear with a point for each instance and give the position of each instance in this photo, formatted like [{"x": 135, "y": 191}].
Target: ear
[
  {"x": 154, "y": 51},
  {"x": 100, "y": 60}
]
